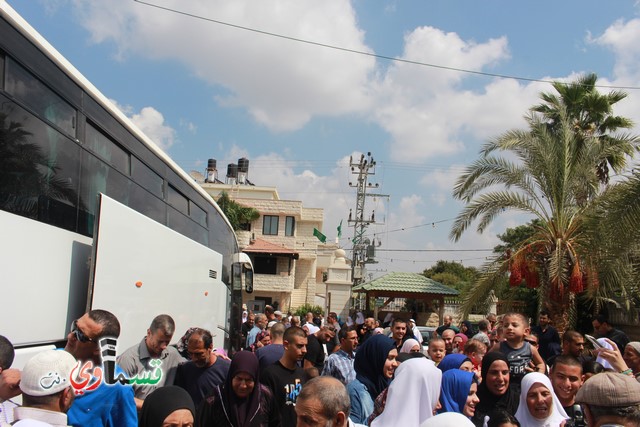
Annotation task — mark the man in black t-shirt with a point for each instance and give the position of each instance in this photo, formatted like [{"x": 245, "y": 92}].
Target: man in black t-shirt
[
  {"x": 285, "y": 378},
  {"x": 317, "y": 347}
]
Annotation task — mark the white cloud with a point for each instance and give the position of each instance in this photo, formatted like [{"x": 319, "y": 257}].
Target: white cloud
[
  {"x": 621, "y": 38},
  {"x": 151, "y": 122},
  {"x": 282, "y": 83}
]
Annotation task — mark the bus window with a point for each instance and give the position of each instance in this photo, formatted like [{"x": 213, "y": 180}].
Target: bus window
[
  {"x": 198, "y": 214},
  {"x": 146, "y": 177},
  {"x": 147, "y": 204},
  {"x": 178, "y": 200},
  {"x": 38, "y": 168},
  {"x": 108, "y": 150},
  {"x": 99, "y": 177},
  {"x": 186, "y": 226},
  {"x": 43, "y": 101}
]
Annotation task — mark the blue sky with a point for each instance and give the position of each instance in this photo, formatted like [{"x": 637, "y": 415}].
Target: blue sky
[{"x": 298, "y": 111}]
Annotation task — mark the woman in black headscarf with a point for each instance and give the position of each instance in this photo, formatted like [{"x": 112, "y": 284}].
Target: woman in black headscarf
[
  {"x": 242, "y": 401},
  {"x": 495, "y": 392},
  {"x": 467, "y": 329},
  {"x": 169, "y": 404}
]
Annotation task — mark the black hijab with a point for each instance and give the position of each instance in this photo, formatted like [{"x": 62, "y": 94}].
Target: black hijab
[
  {"x": 242, "y": 411},
  {"x": 161, "y": 403},
  {"x": 489, "y": 401},
  {"x": 369, "y": 363}
]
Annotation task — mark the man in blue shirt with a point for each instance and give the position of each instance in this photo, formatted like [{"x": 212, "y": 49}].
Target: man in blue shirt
[
  {"x": 340, "y": 364},
  {"x": 108, "y": 404}
]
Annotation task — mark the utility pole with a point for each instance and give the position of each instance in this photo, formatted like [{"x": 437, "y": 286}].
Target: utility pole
[{"x": 363, "y": 248}]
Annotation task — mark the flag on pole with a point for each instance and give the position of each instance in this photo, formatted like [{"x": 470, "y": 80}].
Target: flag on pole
[
  {"x": 340, "y": 230},
  {"x": 319, "y": 235}
]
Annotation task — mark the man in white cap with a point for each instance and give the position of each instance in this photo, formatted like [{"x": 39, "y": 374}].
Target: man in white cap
[
  {"x": 609, "y": 398},
  {"x": 46, "y": 390}
]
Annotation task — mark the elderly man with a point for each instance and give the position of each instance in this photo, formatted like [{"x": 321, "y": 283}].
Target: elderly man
[
  {"x": 109, "y": 404},
  {"x": 611, "y": 399},
  {"x": 46, "y": 389},
  {"x": 259, "y": 326},
  {"x": 205, "y": 370},
  {"x": 155, "y": 345},
  {"x": 324, "y": 401}
]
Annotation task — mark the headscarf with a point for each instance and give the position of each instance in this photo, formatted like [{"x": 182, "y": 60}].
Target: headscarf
[
  {"x": 455, "y": 390},
  {"x": 448, "y": 419},
  {"x": 463, "y": 337},
  {"x": 369, "y": 363},
  {"x": 489, "y": 401},
  {"x": 524, "y": 416},
  {"x": 162, "y": 402},
  {"x": 452, "y": 361},
  {"x": 261, "y": 335},
  {"x": 241, "y": 411},
  {"x": 359, "y": 318},
  {"x": 408, "y": 345},
  {"x": 412, "y": 396},
  {"x": 469, "y": 333}
]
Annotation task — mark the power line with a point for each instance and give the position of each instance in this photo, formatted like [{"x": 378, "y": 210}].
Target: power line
[
  {"x": 434, "y": 250},
  {"x": 360, "y": 52}
]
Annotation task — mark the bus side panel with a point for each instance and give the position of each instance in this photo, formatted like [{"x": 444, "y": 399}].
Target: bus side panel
[
  {"x": 142, "y": 269},
  {"x": 44, "y": 272}
]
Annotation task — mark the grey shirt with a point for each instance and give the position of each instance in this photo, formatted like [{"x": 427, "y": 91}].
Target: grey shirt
[{"x": 136, "y": 360}]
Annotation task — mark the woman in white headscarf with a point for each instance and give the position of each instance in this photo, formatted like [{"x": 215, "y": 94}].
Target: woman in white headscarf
[
  {"x": 410, "y": 346},
  {"x": 413, "y": 394},
  {"x": 539, "y": 406}
]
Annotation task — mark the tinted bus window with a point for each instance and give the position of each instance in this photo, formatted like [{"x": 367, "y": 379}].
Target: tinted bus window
[
  {"x": 38, "y": 168},
  {"x": 147, "y": 204},
  {"x": 198, "y": 214},
  {"x": 146, "y": 177},
  {"x": 1, "y": 71},
  {"x": 99, "y": 177},
  {"x": 178, "y": 200},
  {"x": 108, "y": 150},
  {"x": 43, "y": 101},
  {"x": 184, "y": 225}
]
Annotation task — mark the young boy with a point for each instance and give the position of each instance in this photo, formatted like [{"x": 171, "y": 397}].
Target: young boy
[
  {"x": 436, "y": 351},
  {"x": 522, "y": 356}
]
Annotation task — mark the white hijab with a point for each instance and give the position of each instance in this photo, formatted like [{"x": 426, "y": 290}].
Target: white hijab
[
  {"x": 524, "y": 416},
  {"x": 412, "y": 396},
  {"x": 448, "y": 419}
]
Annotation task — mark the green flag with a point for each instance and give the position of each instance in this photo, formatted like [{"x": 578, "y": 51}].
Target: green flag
[
  {"x": 319, "y": 235},
  {"x": 340, "y": 230}
]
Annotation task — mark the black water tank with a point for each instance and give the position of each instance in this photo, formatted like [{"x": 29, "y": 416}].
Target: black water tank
[
  {"x": 232, "y": 170},
  {"x": 211, "y": 164},
  {"x": 243, "y": 165}
]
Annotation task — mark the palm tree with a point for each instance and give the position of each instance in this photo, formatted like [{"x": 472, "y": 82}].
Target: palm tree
[
  {"x": 591, "y": 115},
  {"x": 237, "y": 214},
  {"x": 545, "y": 172}
]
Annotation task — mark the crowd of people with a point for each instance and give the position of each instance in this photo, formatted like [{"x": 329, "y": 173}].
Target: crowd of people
[{"x": 331, "y": 372}]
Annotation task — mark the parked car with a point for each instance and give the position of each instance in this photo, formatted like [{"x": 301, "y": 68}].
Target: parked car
[{"x": 427, "y": 333}]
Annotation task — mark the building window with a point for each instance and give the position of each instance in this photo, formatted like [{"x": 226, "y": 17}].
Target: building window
[
  {"x": 265, "y": 265},
  {"x": 289, "y": 226},
  {"x": 270, "y": 225}
]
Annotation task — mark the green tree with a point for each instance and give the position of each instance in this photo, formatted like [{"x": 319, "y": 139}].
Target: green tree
[
  {"x": 545, "y": 172},
  {"x": 235, "y": 212},
  {"x": 452, "y": 274},
  {"x": 591, "y": 116}
]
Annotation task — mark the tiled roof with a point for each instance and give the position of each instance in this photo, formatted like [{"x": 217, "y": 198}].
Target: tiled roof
[
  {"x": 264, "y": 247},
  {"x": 406, "y": 282}
]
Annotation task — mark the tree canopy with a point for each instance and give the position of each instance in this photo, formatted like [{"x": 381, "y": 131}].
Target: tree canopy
[{"x": 237, "y": 214}]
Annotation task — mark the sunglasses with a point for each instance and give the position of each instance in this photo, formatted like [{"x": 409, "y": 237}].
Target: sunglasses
[{"x": 80, "y": 336}]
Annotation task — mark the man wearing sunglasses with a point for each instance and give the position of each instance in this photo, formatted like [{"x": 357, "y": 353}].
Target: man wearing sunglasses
[{"x": 109, "y": 404}]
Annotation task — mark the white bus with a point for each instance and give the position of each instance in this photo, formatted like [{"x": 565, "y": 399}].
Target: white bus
[{"x": 94, "y": 215}]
